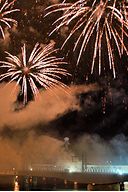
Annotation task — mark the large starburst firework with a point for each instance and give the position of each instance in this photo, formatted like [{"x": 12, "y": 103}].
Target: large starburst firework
[
  {"x": 42, "y": 68},
  {"x": 103, "y": 22},
  {"x": 6, "y": 8}
]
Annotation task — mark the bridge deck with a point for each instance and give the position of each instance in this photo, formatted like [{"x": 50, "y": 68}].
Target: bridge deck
[{"x": 86, "y": 177}]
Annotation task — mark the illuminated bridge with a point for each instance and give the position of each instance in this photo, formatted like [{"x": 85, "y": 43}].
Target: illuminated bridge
[
  {"x": 92, "y": 173},
  {"x": 110, "y": 169}
]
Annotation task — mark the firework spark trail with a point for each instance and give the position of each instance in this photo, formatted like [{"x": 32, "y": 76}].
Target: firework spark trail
[
  {"x": 93, "y": 19},
  {"x": 5, "y": 10},
  {"x": 41, "y": 67}
]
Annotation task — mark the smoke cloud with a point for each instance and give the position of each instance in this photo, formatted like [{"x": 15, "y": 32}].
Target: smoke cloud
[
  {"x": 23, "y": 151},
  {"x": 98, "y": 151},
  {"x": 31, "y": 151},
  {"x": 46, "y": 108}
]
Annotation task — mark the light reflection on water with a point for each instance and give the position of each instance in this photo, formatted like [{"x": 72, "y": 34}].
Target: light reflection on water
[
  {"x": 16, "y": 183},
  {"x": 30, "y": 183},
  {"x": 16, "y": 186}
]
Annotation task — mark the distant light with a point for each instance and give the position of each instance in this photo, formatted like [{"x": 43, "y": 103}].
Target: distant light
[
  {"x": 72, "y": 169},
  {"x": 31, "y": 169},
  {"x": 16, "y": 187},
  {"x": 120, "y": 172},
  {"x": 16, "y": 183}
]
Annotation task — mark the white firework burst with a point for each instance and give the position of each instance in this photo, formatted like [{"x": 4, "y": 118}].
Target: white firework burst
[
  {"x": 42, "y": 68},
  {"x": 5, "y": 11},
  {"x": 104, "y": 21}
]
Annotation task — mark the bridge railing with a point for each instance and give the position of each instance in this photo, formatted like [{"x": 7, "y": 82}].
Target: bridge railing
[
  {"x": 48, "y": 168},
  {"x": 106, "y": 169},
  {"x": 88, "y": 169}
]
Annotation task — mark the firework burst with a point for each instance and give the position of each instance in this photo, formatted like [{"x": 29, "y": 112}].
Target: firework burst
[
  {"x": 103, "y": 22},
  {"x": 42, "y": 68},
  {"x": 5, "y": 11}
]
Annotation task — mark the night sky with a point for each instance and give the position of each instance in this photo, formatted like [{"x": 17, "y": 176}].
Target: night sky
[{"x": 102, "y": 112}]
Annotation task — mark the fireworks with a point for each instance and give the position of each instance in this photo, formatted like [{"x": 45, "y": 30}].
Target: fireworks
[
  {"x": 103, "y": 22},
  {"x": 42, "y": 68},
  {"x": 5, "y": 10}
]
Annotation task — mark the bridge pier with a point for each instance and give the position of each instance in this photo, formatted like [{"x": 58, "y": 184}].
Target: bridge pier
[
  {"x": 122, "y": 186},
  {"x": 54, "y": 184},
  {"x": 65, "y": 184},
  {"x": 26, "y": 183}
]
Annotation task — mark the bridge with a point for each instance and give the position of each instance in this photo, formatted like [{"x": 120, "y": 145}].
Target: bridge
[{"x": 92, "y": 173}]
